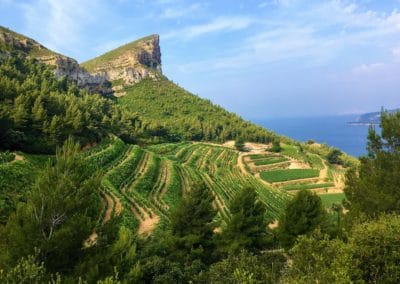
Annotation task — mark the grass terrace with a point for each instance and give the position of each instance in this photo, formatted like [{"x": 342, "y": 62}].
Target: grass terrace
[{"x": 287, "y": 175}]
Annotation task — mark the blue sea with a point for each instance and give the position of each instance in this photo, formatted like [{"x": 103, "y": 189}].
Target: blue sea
[{"x": 332, "y": 130}]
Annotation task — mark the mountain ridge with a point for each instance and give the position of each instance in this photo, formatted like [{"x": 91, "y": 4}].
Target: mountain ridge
[{"x": 125, "y": 65}]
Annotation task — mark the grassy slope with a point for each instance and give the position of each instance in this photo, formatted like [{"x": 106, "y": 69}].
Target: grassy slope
[
  {"x": 104, "y": 58},
  {"x": 35, "y": 51},
  {"x": 165, "y": 104}
]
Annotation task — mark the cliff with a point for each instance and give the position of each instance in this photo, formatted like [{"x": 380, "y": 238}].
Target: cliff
[
  {"x": 63, "y": 65},
  {"x": 129, "y": 63},
  {"x": 126, "y": 65}
]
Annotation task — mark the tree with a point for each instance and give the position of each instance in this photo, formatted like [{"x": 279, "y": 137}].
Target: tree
[
  {"x": 114, "y": 252},
  {"x": 276, "y": 146},
  {"x": 376, "y": 250},
  {"x": 246, "y": 268},
  {"x": 246, "y": 229},
  {"x": 192, "y": 227},
  {"x": 317, "y": 259},
  {"x": 373, "y": 188},
  {"x": 303, "y": 214},
  {"x": 239, "y": 144},
  {"x": 333, "y": 157},
  {"x": 61, "y": 211}
]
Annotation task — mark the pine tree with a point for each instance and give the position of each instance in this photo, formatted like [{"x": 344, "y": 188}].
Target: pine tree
[
  {"x": 60, "y": 213},
  {"x": 192, "y": 226},
  {"x": 39, "y": 114},
  {"x": 303, "y": 214},
  {"x": 246, "y": 228},
  {"x": 373, "y": 188}
]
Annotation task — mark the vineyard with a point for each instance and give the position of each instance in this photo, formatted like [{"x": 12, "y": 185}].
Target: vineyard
[
  {"x": 142, "y": 185},
  {"x": 293, "y": 169}
]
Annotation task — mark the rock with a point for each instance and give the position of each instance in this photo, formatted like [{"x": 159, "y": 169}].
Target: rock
[
  {"x": 125, "y": 65},
  {"x": 130, "y": 63}
]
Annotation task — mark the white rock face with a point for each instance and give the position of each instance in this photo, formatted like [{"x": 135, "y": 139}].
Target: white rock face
[{"x": 131, "y": 63}]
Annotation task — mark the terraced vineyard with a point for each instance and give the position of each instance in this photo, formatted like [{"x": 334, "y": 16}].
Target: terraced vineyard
[
  {"x": 143, "y": 185},
  {"x": 293, "y": 169}
]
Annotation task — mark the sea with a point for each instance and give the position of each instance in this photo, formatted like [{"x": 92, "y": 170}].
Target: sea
[{"x": 332, "y": 130}]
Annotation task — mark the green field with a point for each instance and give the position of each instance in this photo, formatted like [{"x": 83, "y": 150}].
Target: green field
[
  {"x": 307, "y": 186},
  {"x": 270, "y": 161},
  {"x": 329, "y": 199},
  {"x": 286, "y": 175},
  {"x": 259, "y": 156}
]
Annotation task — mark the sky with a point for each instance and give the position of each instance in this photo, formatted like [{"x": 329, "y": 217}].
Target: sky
[{"x": 259, "y": 58}]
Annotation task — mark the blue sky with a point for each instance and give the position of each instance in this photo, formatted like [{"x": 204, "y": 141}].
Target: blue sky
[{"x": 261, "y": 59}]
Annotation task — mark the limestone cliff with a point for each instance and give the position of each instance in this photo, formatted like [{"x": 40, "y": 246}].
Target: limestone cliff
[
  {"x": 129, "y": 63},
  {"x": 123, "y": 66},
  {"x": 63, "y": 65}
]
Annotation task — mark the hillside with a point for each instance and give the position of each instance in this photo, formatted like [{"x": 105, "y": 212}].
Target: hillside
[
  {"x": 16, "y": 41},
  {"x": 371, "y": 117},
  {"x": 169, "y": 110}
]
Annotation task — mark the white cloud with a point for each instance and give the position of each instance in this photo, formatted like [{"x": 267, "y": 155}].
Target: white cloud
[
  {"x": 60, "y": 24},
  {"x": 396, "y": 53},
  {"x": 221, "y": 24},
  {"x": 318, "y": 35},
  {"x": 180, "y": 12},
  {"x": 364, "y": 69}
]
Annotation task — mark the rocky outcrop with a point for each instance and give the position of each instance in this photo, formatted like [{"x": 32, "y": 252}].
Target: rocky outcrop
[
  {"x": 130, "y": 63},
  {"x": 123, "y": 66},
  {"x": 66, "y": 66}
]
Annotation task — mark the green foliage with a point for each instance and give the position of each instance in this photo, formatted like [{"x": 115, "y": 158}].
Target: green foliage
[
  {"x": 333, "y": 157},
  {"x": 276, "y": 146},
  {"x": 239, "y": 144},
  {"x": 16, "y": 180},
  {"x": 269, "y": 161},
  {"x": 245, "y": 267},
  {"x": 317, "y": 259},
  {"x": 177, "y": 114},
  {"x": 6, "y": 157},
  {"x": 192, "y": 227},
  {"x": 26, "y": 271},
  {"x": 38, "y": 111},
  {"x": 59, "y": 215},
  {"x": 303, "y": 214},
  {"x": 376, "y": 252},
  {"x": 373, "y": 188},
  {"x": 334, "y": 198},
  {"x": 113, "y": 258},
  {"x": 246, "y": 229},
  {"x": 286, "y": 175},
  {"x": 307, "y": 186},
  {"x": 370, "y": 255}
]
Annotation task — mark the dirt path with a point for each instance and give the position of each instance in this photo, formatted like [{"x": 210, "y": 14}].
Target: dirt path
[
  {"x": 118, "y": 205},
  {"x": 18, "y": 157},
  {"x": 323, "y": 174},
  {"x": 241, "y": 164},
  {"x": 146, "y": 223},
  {"x": 167, "y": 181},
  {"x": 110, "y": 204}
]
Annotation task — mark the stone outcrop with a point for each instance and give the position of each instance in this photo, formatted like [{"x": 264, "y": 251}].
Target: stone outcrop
[
  {"x": 123, "y": 66},
  {"x": 130, "y": 63},
  {"x": 66, "y": 66}
]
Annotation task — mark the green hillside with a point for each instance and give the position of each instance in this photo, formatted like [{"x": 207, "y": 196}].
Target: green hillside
[
  {"x": 15, "y": 41},
  {"x": 167, "y": 109}
]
